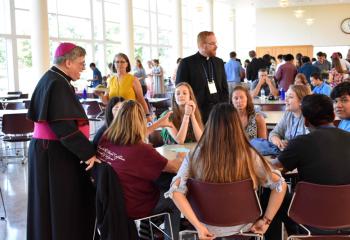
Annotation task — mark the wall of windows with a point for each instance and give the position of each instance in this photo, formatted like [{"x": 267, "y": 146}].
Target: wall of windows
[
  {"x": 96, "y": 26},
  {"x": 152, "y": 31}
]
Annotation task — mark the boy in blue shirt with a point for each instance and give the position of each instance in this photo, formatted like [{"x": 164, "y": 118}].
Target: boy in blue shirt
[
  {"x": 320, "y": 87},
  {"x": 341, "y": 97}
]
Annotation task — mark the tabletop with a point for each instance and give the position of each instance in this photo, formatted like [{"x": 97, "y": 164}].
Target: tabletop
[
  {"x": 155, "y": 100},
  {"x": 258, "y": 101},
  {"x": 170, "y": 151},
  {"x": 273, "y": 117}
]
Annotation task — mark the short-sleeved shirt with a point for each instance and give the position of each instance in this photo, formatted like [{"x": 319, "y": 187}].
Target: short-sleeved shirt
[
  {"x": 137, "y": 166},
  {"x": 324, "y": 88},
  {"x": 264, "y": 86},
  {"x": 122, "y": 87},
  {"x": 345, "y": 125},
  {"x": 321, "y": 157}
]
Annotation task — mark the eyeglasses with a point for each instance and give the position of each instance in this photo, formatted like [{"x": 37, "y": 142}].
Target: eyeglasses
[
  {"x": 212, "y": 43},
  {"x": 122, "y": 62}
]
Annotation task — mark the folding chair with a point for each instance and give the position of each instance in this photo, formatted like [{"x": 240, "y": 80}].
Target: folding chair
[
  {"x": 94, "y": 112},
  {"x": 106, "y": 178},
  {"x": 3, "y": 206},
  {"x": 17, "y": 128},
  {"x": 225, "y": 204},
  {"x": 323, "y": 207},
  {"x": 15, "y": 106}
]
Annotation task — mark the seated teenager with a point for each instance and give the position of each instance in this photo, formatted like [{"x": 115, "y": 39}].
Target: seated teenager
[
  {"x": 110, "y": 113},
  {"x": 320, "y": 87},
  {"x": 264, "y": 82},
  {"x": 137, "y": 164},
  {"x": 253, "y": 123},
  {"x": 300, "y": 79},
  {"x": 341, "y": 97},
  {"x": 185, "y": 123},
  {"x": 292, "y": 123},
  {"x": 224, "y": 155},
  {"x": 322, "y": 156}
]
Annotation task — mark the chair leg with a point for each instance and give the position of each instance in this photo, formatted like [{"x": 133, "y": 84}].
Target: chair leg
[{"x": 3, "y": 205}]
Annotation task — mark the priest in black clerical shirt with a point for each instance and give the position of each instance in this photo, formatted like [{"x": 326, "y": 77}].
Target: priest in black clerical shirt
[{"x": 205, "y": 73}]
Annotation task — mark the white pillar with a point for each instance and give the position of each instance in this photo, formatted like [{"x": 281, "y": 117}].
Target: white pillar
[
  {"x": 127, "y": 29},
  {"x": 245, "y": 31},
  {"x": 39, "y": 38},
  {"x": 12, "y": 54},
  {"x": 211, "y": 14},
  {"x": 177, "y": 39}
]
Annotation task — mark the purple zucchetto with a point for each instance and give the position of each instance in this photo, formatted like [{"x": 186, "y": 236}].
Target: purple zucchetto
[{"x": 64, "y": 48}]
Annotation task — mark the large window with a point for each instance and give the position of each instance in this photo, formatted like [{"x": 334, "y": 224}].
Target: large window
[
  {"x": 195, "y": 18},
  {"x": 153, "y": 32},
  {"x": 96, "y": 26}
]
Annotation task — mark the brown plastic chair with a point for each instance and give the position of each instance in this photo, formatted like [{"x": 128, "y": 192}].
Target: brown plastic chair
[
  {"x": 15, "y": 106},
  {"x": 17, "y": 128},
  {"x": 93, "y": 110},
  {"x": 225, "y": 204},
  {"x": 321, "y": 206}
]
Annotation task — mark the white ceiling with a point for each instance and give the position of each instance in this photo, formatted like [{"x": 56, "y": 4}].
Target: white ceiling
[{"x": 291, "y": 3}]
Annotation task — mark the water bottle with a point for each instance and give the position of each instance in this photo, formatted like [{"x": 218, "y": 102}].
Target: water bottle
[
  {"x": 262, "y": 93},
  {"x": 84, "y": 93},
  {"x": 282, "y": 94}
]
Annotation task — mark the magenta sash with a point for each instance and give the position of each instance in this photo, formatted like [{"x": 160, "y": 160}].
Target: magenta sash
[{"x": 42, "y": 130}]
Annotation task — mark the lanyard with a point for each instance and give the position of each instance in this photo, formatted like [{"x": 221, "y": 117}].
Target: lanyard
[
  {"x": 296, "y": 128},
  {"x": 210, "y": 71}
]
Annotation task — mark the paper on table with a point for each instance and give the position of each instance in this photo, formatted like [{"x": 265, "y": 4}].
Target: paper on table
[{"x": 182, "y": 149}]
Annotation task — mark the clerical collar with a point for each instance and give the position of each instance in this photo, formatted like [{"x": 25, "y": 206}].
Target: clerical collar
[{"x": 203, "y": 57}]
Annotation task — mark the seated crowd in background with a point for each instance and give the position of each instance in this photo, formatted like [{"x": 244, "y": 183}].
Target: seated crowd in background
[{"x": 229, "y": 126}]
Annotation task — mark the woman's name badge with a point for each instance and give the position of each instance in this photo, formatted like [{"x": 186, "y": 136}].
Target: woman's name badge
[{"x": 212, "y": 87}]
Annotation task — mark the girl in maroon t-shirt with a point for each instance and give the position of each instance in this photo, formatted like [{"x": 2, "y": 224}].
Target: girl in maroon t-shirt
[{"x": 136, "y": 163}]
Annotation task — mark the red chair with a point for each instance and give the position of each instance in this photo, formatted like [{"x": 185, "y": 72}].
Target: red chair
[
  {"x": 321, "y": 206},
  {"x": 225, "y": 204},
  {"x": 15, "y": 106},
  {"x": 17, "y": 128}
]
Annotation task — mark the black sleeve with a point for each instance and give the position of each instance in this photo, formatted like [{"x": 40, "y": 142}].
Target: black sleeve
[
  {"x": 74, "y": 140},
  {"x": 249, "y": 72},
  {"x": 290, "y": 156},
  {"x": 181, "y": 74}
]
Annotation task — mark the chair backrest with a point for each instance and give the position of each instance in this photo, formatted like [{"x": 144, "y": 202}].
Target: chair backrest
[
  {"x": 17, "y": 123},
  {"x": 24, "y": 95},
  {"x": 321, "y": 206},
  {"x": 15, "y": 105},
  {"x": 93, "y": 108},
  {"x": 224, "y": 204},
  {"x": 14, "y": 93}
]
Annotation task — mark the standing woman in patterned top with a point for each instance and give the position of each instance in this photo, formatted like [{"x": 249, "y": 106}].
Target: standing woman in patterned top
[
  {"x": 253, "y": 123},
  {"x": 123, "y": 84},
  {"x": 185, "y": 123}
]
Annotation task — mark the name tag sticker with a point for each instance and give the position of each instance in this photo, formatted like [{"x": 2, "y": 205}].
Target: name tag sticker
[{"x": 212, "y": 87}]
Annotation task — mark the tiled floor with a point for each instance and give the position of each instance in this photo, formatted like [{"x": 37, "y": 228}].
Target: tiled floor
[{"x": 13, "y": 183}]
